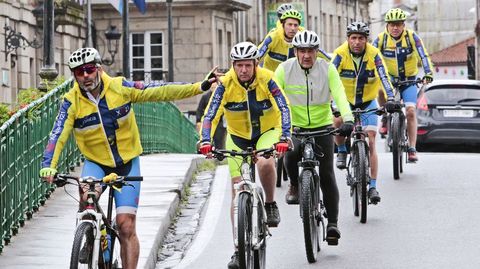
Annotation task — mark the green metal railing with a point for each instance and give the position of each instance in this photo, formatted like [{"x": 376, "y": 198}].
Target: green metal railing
[{"x": 23, "y": 137}]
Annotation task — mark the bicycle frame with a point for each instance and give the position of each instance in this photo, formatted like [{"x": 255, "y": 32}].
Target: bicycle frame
[
  {"x": 247, "y": 185},
  {"x": 359, "y": 136},
  {"x": 309, "y": 162},
  {"x": 93, "y": 213},
  {"x": 94, "y": 210}
]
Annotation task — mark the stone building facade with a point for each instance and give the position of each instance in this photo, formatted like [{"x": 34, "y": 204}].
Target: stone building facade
[
  {"x": 203, "y": 33},
  {"x": 20, "y": 67}
]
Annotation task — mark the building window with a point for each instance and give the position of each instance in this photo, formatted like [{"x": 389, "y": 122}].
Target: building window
[{"x": 147, "y": 56}]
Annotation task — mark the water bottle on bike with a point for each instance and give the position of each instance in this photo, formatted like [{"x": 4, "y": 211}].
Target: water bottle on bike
[{"x": 106, "y": 244}]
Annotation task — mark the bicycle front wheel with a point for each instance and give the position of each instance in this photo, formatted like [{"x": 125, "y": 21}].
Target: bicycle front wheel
[
  {"x": 309, "y": 211},
  {"x": 82, "y": 249},
  {"x": 397, "y": 149},
  {"x": 244, "y": 232},
  {"x": 360, "y": 172},
  {"x": 115, "y": 260}
]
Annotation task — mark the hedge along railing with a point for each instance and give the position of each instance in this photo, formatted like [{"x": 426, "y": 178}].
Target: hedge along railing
[{"x": 24, "y": 136}]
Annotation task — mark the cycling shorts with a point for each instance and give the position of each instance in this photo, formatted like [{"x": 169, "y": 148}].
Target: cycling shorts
[
  {"x": 126, "y": 201},
  {"x": 265, "y": 140},
  {"x": 409, "y": 95},
  {"x": 370, "y": 119}
]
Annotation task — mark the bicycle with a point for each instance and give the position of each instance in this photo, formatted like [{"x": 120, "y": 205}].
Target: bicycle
[
  {"x": 95, "y": 242},
  {"x": 250, "y": 218},
  {"x": 358, "y": 167},
  {"x": 397, "y": 135},
  {"x": 312, "y": 209}
]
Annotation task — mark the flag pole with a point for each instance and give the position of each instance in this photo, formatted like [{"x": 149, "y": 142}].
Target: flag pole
[{"x": 126, "y": 37}]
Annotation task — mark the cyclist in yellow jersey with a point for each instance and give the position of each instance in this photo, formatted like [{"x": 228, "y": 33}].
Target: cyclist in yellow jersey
[
  {"x": 280, "y": 10},
  {"x": 257, "y": 115},
  {"x": 276, "y": 47},
  {"x": 98, "y": 110},
  {"x": 362, "y": 72},
  {"x": 402, "y": 49}
]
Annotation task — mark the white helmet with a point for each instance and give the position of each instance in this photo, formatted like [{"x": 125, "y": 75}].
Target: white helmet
[
  {"x": 306, "y": 39},
  {"x": 282, "y": 8},
  {"x": 244, "y": 51},
  {"x": 83, "y": 56}
]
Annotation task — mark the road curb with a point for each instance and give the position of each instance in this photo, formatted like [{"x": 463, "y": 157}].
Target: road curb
[{"x": 166, "y": 221}]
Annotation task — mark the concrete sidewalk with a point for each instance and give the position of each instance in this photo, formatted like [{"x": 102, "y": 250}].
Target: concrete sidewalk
[{"x": 46, "y": 240}]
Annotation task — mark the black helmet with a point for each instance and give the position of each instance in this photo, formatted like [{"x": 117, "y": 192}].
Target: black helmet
[{"x": 358, "y": 27}]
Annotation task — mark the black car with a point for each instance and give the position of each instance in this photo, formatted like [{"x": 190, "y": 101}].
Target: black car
[{"x": 448, "y": 112}]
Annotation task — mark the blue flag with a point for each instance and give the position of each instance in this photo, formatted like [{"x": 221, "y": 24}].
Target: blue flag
[
  {"x": 141, "y": 5},
  {"x": 118, "y": 4}
]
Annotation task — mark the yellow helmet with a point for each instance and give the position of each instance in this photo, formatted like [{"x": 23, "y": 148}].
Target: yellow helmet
[
  {"x": 293, "y": 14},
  {"x": 395, "y": 14}
]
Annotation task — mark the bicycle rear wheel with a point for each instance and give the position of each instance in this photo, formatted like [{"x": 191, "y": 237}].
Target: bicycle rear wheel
[
  {"x": 259, "y": 254},
  {"x": 82, "y": 248},
  {"x": 397, "y": 148},
  {"x": 244, "y": 232},
  {"x": 360, "y": 173},
  {"x": 309, "y": 211}
]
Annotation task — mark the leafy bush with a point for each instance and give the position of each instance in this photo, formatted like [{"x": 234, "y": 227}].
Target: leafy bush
[
  {"x": 25, "y": 97},
  {"x": 4, "y": 115}
]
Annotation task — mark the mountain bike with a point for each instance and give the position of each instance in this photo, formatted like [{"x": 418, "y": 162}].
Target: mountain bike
[
  {"x": 312, "y": 210},
  {"x": 397, "y": 136},
  {"x": 250, "y": 218},
  {"x": 358, "y": 176},
  {"x": 96, "y": 243}
]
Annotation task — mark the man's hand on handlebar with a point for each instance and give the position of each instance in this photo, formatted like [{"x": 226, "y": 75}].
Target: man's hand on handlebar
[
  {"x": 427, "y": 79},
  {"x": 285, "y": 144},
  {"x": 47, "y": 174},
  {"x": 206, "y": 148},
  {"x": 346, "y": 129}
]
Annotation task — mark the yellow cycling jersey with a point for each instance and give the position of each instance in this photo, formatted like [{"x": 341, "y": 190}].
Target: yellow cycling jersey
[
  {"x": 402, "y": 56},
  {"x": 362, "y": 82},
  {"x": 106, "y": 131},
  {"x": 274, "y": 49},
  {"x": 249, "y": 112}
]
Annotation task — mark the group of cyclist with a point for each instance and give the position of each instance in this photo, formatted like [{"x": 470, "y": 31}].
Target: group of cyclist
[{"x": 286, "y": 81}]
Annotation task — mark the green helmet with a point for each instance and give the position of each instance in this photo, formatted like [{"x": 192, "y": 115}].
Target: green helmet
[
  {"x": 293, "y": 14},
  {"x": 395, "y": 14}
]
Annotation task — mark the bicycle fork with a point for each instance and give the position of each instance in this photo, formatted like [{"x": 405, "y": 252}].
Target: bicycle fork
[
  {"x": 248, "y": 187},
  {"x": 96, "y": 223}
]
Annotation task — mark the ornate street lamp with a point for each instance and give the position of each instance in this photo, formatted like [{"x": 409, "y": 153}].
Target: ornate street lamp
[
  {"x": 15, "y": 40},
  {"x": 112, "y": 35}
]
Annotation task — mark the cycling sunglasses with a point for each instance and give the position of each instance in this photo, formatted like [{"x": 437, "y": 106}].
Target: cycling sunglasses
[{"x": 89, "y": 68}]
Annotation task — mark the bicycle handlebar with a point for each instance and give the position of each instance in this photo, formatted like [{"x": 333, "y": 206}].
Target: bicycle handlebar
[
  {"x": 328, "y": 131},
  {"x": 378, "y": 111},
  {"x": 62, "y": 179},
  {"x": 397, "y": 83},
  {"x": 220, "y": 154}
]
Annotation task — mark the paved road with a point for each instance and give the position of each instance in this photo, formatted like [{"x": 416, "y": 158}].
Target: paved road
[
  {"x": 427, "y": 219},
  {"x": 46, "y": 240}
]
